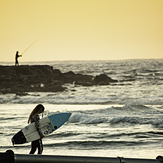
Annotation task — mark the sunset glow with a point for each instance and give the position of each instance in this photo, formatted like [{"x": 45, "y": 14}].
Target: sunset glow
[{"x": 81, "y": 29}]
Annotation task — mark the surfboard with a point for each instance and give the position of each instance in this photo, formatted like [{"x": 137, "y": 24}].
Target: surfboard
[{"x": 47, "y": 126}]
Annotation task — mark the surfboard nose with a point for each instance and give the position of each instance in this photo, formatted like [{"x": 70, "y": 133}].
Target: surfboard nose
[{"x": 57, "y": 120}]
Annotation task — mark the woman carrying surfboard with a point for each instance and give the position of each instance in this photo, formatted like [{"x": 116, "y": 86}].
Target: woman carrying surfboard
[{"x": 34, "y": 117}]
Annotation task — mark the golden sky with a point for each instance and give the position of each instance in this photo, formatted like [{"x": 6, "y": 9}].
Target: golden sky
[{"x": 81, "y": 29}]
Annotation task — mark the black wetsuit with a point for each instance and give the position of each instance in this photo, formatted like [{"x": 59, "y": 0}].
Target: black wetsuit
[{"x": 37, "y": 143}]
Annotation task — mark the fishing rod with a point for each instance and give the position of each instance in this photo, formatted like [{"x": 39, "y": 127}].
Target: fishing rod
[{"x": 30, "y": 46}]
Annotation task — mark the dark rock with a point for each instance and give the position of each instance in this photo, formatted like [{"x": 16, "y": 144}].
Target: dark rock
[
  {"x": 26, "y": 78},
  {"x": 68, "y": 77},
  {"x": 103, "y": 79},
  {"x": 22, "y": 94},
  {"x": 20, "y": 70},
  {"x": 42, "y": 78},
  {"x": 57, "y": 73}
]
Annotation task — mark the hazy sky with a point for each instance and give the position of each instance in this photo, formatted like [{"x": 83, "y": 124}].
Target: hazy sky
[{"x": 81, "y": 29}]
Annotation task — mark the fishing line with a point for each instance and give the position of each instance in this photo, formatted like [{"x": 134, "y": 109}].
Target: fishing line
[{"x": 30, "y": 46}]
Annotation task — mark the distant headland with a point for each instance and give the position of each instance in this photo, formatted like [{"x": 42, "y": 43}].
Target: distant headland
[{"x": 43, "y": 78}]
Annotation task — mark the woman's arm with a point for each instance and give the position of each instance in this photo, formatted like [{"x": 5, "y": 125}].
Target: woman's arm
[{"x": 38, "y": 126}]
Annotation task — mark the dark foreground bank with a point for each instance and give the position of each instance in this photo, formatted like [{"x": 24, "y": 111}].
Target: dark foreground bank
[
  {"x": 43, "y": 78},
  {"x": 10, "y": 157}
]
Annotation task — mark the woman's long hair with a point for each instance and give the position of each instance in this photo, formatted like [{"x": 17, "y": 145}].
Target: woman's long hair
[{"x": 37, "y": 110}]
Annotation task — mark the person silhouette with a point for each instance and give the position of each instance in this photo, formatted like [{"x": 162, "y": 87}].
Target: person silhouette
[
  {"x": 16, "y": 58},
  {"x": 34, "y": 117}
]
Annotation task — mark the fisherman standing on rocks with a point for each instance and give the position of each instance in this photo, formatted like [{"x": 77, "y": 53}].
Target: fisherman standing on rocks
[{"x": 16, "y": 58}]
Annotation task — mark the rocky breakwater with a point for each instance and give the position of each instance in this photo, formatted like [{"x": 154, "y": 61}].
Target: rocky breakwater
[{"x": 43, "y": 78}]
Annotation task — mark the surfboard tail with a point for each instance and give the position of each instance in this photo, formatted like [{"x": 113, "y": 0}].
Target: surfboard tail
[
  {"x": 18, "y": 138},
  {"x": 13, "y": 142}
]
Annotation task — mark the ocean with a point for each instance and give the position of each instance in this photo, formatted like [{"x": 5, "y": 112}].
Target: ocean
[{"x": 123, "y": 119}]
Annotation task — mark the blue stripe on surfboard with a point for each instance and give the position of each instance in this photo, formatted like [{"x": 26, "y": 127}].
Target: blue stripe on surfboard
[{"x": 59, "y": 119}]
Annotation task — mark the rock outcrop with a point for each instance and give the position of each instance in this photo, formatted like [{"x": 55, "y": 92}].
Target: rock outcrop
[{"x": 43, "y": 78}]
